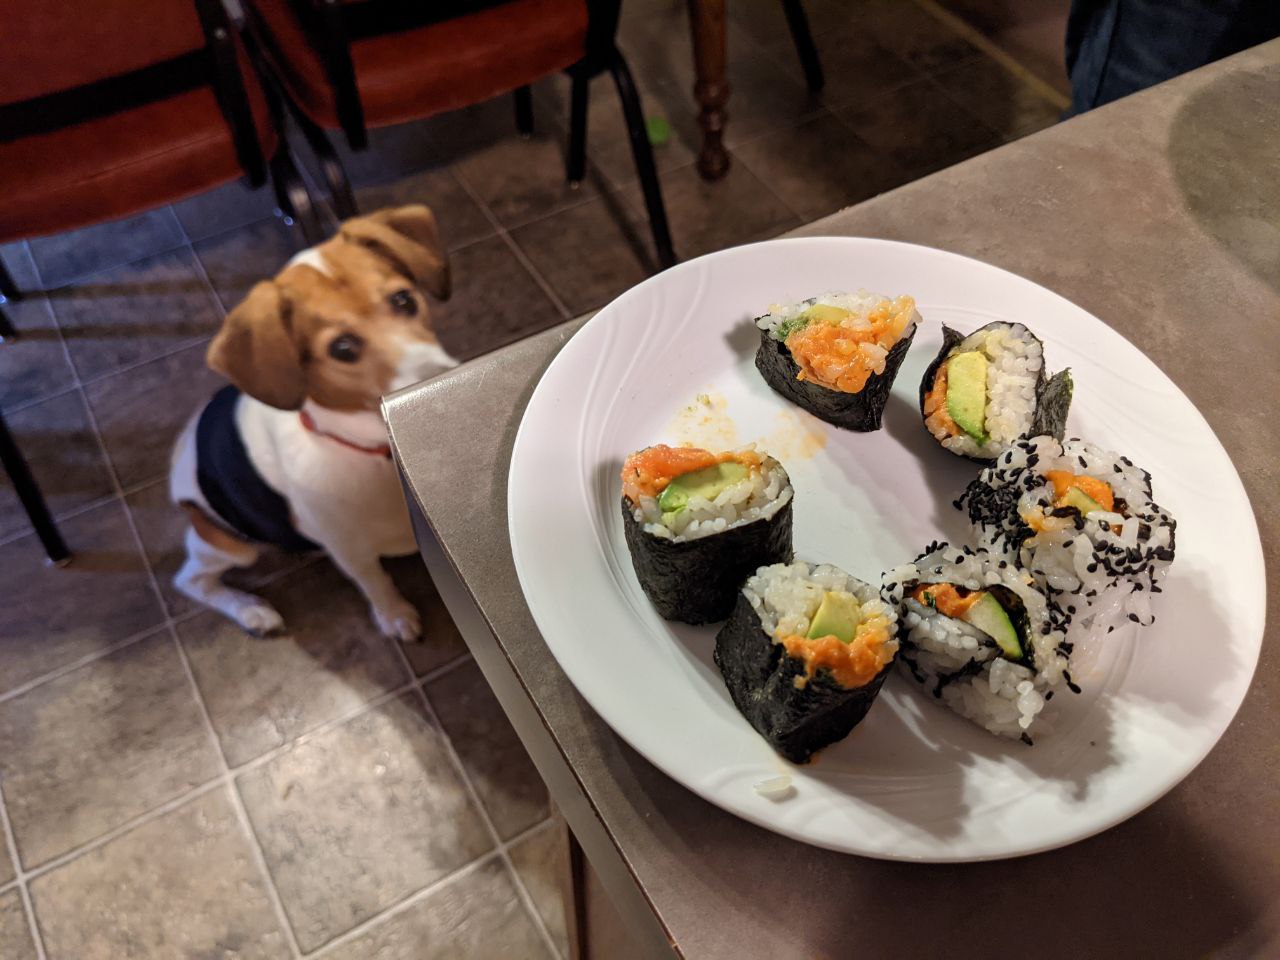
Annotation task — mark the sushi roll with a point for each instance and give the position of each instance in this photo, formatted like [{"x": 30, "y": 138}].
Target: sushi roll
[
  {"x": 978, "y": 635},
  {"x": 697, "y": 523},
  {"x": 836, "y": 355},
  {"x": 805, "y": 653},
  {"x": 1082, "y": 521},
  {"x": 984, "y": 391}
]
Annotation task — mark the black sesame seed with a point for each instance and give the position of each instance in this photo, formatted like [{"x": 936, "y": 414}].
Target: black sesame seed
[
  {"x": 1048, "y": 696},
  {"x": 1134, "y": 618},
  {"x": 1026, "y": 739}
]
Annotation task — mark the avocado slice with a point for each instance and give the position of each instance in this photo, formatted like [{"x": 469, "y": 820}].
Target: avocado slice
[
  {"x": 1075, "y": 497},
  {"x": 967, "y": 392},
  {"x": 709, "y": 482},
  {"x": 837, "y": 616},
  {"x": 989, "y": 617},
  {"x": 825, "y": 313}
]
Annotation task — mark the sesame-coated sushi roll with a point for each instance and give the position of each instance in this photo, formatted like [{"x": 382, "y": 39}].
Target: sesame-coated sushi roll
[
  {"x": 984, "y": 391},
  {"x": 1082, "y": 521},
  {"x": 697, "y": 523},
  {"x": 978, "y": 635},
  {"x": 836, "y": 355},
  {"x": 805, "y": 653}
]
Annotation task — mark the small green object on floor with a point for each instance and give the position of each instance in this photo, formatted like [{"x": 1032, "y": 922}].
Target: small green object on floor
[{"x": 658, "y": 129}]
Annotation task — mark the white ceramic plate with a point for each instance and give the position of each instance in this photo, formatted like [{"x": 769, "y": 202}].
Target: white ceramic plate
[{"x": 913, "y": 781}]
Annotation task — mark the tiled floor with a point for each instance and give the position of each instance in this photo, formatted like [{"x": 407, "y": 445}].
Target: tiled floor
[{"x": 173, "y": 788}]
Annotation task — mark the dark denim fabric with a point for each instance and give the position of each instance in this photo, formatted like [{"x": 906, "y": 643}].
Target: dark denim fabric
[{"x": 1117, "y": 47}]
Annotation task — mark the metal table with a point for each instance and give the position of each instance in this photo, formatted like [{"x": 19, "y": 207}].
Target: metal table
[{"x": 1161, "y": 215}]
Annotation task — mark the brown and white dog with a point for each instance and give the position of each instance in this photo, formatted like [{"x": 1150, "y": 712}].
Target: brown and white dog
[{"x": 295, "y": 452}]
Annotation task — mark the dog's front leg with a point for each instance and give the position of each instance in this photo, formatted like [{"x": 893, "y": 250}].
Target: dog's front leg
[{"x": 395, "y": 616}]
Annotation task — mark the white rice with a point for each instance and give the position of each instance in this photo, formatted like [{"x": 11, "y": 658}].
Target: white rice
[
  {"x": 760, "y": 495},
  {"x": 956, "y": 663},
  {"x": 785, "y": 596},
  {"x": 1015, "y": 363},
  {"x": 859, "y": 304},
  {"x": 1100, "y": 571}
]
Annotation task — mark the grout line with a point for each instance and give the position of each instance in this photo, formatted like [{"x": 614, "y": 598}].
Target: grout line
[
  {"x": 447, "y": 667},
  {"x": 20, "y": 880},
  {"x": 474, "y": 796},
  {"x": 242, "y": 815},
  {"x": 74, "y": 665},
  {"x": 402, "y": 905},
  {"x": 995, "y": 52},
  {"x": 512, "y": 245}
]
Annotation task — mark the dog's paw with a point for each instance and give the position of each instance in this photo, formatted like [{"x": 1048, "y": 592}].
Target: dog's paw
[
  {"x": 399, "y": 621},
  {"x": 260, "y": 619}
]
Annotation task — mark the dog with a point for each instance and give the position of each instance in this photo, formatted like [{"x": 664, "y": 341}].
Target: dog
[{"x": 294, "y": 452}]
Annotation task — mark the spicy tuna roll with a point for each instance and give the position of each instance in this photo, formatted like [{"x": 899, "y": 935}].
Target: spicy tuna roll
[
  {"x": 836, "y": 355},
  {"x": 805, "y": 653},
  {"x": 978, "y": 635},
  {"x": 1082, "y": 521},
  {"x": 984, "y": 391},
  {"x": 697, "y": 523}
]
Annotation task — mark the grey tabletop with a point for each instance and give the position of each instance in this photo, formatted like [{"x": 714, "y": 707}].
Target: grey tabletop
[{"x": 1161, "y": 215}]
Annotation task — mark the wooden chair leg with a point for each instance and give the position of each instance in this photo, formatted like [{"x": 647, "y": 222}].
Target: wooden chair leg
[
  {"x": 576, "y": 162},
  {"x": 642, "y": 152},
  {"x": 524, "y": 111},
  {"x": 293, "y": 196},
  {"x": 573, "y": 893},
  {"x": 802, "y": 37},
  {"x": 31, "y": 498},
  {"x": 335, "y": 174}
]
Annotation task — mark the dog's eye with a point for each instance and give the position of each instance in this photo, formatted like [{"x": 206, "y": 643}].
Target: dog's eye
[
  {"x": 403, "y": 303},
  {"x": 346, "y": 348}
]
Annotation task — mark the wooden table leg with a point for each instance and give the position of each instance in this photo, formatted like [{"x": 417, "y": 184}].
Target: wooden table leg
[{"x": 706, "y": 20}]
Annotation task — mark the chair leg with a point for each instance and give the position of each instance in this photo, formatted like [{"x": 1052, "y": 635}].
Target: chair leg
[
  {"x": 576, "y": 162},
  {"x": 524, "y": 111},
  {"x": 8, "y": 292},
  {"x": 642, "y": 151},
  {"x": 331, "y": 168},
  {"x": 32, "y": 500},
  {"x": 293, "y": 196},
  {"x": 802, "y": 36},
  {"x": 7, "y": 330}
]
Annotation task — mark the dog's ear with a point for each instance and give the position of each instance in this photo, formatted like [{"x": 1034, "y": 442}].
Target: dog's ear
[
  {"x": 407, "y": 236},
  {"x": 255, "y": 349}
]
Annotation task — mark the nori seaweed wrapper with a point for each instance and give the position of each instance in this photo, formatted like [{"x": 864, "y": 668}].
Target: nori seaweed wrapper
[
  {"x": 1053, "y": 395},
  {"x": 760, "y": 676},
  {"x": 695, "y": 581},
  {"x": 852, "y": 411}
]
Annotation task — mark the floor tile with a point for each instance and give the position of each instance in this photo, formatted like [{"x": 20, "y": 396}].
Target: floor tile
[
  {"x": 262, "y": 693},
  {"x": 1031, "y": 31},
  {"x": 7, "y": 872},
  {"x": 539, "y": 859},
  {"x": 131, "y": 313},
  {"x": 223, "y": 208},
  {"x": 141, "y": 411},
  {"x": 238, "y": 259},
  {"x": 737, "y": 208},
  {"x": 87, "y": 751},
  {"x": 360, "y": 817},
  {"x": 857, "y": 67},
  {"x": 58, "y": 444},
  {"x": 495, "y": 301},
  {"x": 35, "y": 364},
  {"x": 52, "y": 616},
  {"x": 819, "y": 166},
  {"x": 460, "y": 218},
  {"x": 921, "y": 128},
  {"x": 15, "y": 932},
  {"x": 502, "y": 773},
  {"x": 590, "y": 253},
  {"x": 63, "y": 257},
  {"x": 441, "y": 642},
  {"x": 478, "y": 915},
  {"x": 1007, "y": 104},
  {"x": 520, "y": 179},
  {"x": 393, "y": 152},
  {"x": 163, "y": 526},
  {"x": 183, "y": 885},
  {"x": 916, "y": 35},
  {"x": 766, "y": 23}
]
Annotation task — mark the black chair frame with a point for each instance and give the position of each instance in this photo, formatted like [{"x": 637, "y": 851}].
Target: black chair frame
[
  {"x": 332, "y": 26},
  {"x": 213, "y": 65}
]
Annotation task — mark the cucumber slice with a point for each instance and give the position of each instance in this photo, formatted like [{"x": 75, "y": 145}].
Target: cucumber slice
[
  {"x": 1075, "y": 497},
  {"x": 989, "y": 617}
]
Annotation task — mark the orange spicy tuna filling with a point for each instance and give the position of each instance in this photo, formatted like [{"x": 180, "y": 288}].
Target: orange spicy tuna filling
[
  {"x": 946, "y": 598},
  {"x": 851, "y": 665},
  {"x": 1099, "y": 491},
  {"x": 937, "y": 417},
  {"x": 647, "y": 472},
  {"x": 834, "y": 352}
]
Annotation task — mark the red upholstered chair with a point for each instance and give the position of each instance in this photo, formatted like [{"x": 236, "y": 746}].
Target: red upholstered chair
[
  {"x": 108, "y": 107},
  {"x": 352, "y": 64}
]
